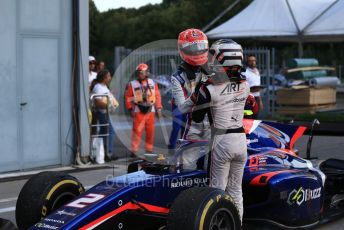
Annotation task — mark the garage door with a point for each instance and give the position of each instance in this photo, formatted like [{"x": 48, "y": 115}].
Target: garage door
[{"x": 35, "y": 45}]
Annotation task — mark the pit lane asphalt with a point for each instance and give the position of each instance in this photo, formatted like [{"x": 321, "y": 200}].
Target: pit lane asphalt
[{"x": 323, "y": 147}]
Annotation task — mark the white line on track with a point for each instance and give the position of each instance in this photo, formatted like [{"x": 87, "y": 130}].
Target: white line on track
[
  {"x": 8, "y": 199},
  {"x": 11, "y": 209}
]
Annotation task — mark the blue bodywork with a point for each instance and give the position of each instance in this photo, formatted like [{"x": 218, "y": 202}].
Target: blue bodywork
[{"x": 278, "y": 187}]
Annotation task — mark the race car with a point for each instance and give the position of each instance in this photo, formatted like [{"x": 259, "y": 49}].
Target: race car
[{"x": 168, "y": 192}]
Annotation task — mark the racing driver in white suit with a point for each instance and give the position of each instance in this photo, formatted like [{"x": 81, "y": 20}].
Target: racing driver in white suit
[{"x": 223, "y": 98}]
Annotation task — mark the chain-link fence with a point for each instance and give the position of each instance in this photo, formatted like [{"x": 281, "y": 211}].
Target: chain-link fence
[
  {"x": 163, "y": 61},
  {"x": 265, "y": 64},
  {"x": 340, "y": 72}
]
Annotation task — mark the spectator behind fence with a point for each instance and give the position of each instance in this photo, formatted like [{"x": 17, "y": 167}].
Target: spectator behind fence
[
  {"x": 92, "y": 75},
  {"x": 254, "y": 80},
  {"x": 142, "y": 99},
  {"x": 100, "y": 86}
]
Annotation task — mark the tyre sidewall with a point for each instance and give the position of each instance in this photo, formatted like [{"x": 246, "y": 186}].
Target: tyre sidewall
[
  {"x": 66, "y": 187},
  {"x": 215, "y": 201}
]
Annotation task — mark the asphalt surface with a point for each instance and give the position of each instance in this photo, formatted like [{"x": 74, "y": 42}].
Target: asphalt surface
[{"x": 323, "y": 147}]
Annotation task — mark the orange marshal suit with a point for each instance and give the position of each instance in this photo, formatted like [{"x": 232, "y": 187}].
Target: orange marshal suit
[{"x": 143, "y": 97}]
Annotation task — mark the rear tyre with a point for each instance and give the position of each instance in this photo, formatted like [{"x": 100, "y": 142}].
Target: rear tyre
[
  {"x": 44, "y": 193},
  {"x": 6, "y": 224},
  {"x": 203, "y": 208}
]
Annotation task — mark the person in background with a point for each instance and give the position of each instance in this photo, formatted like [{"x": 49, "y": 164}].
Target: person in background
[
  {"x": 92, "y": 74},
  {"x": 100, "y": 66},
  {"x": 92, "y": 81},
  {"x": 251, "y": 108},
  {"x": 254, "y": 80},
  {"x": 101, "y": 104},
  {"x": 142, "y": 99}
]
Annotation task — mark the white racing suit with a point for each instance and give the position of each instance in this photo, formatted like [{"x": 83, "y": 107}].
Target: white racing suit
[
  {"x": 182, "y": 87},
  {"x": 225, "y": 103},
  {"x": 183, "y": 84}
]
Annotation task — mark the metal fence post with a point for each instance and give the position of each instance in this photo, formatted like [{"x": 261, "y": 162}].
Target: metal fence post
[
  {"x": 273, "y": 98},
  {"x": 269, "y": 80}
]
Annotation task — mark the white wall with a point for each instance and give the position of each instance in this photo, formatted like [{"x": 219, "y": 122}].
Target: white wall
[
  {"x": 8, "y": 88},
  {"x": 35, "y": 91}
]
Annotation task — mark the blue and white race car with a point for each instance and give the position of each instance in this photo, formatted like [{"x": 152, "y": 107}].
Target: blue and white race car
[{"x": 169, "y": 193}]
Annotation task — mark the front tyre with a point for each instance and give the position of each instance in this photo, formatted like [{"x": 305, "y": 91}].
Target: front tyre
[
  {"x": 203, "y": 208},
  {"x": 44, "y": 193}
]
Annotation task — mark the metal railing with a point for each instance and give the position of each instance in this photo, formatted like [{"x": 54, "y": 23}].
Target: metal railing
[{"x": 95, "y": 127}]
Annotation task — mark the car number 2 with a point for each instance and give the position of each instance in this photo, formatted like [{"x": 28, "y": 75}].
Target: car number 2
[{"x": 86, "y": 200}]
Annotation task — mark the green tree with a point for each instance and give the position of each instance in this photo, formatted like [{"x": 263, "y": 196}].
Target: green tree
[
  {"x": 133, "y": 28},
  {"x": 94, "y": 28}
]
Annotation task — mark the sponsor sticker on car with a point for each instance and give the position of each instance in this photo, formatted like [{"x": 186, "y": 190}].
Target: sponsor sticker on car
[
  {"x": 45, "y": 226},
  {"x": 302, "y": 195},
  {"x": 188, "y": 182},
  {"x": 63, "y": 212},
  {"x": 54, "y": 221}
]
